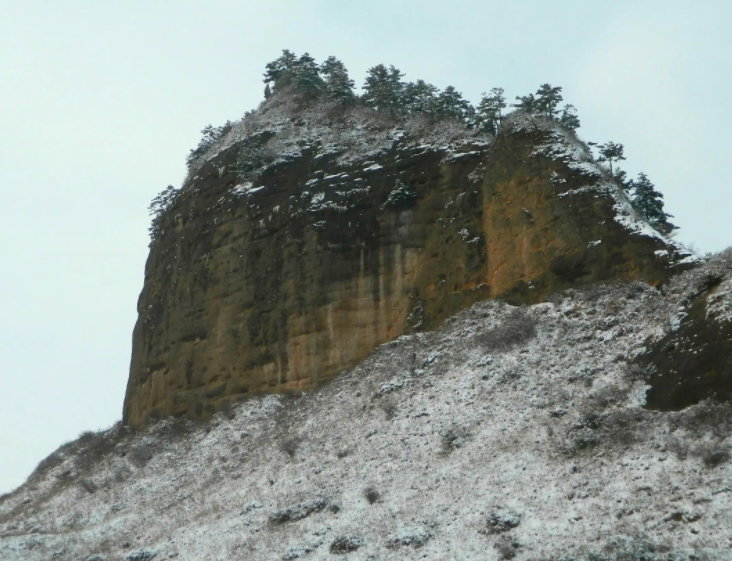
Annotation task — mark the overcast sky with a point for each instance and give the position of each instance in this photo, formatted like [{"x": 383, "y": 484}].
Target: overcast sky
[{"x": 101, "y": 101}]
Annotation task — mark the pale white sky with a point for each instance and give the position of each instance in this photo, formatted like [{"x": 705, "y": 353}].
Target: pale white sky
[{"x": 101, "y": 101}]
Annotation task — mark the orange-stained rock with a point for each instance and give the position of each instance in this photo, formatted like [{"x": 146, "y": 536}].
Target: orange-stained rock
[{"x": 280, "y": 289}]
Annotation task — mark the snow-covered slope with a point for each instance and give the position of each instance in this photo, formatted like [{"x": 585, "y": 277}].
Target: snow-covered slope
[{"x": 510, "y": 432}]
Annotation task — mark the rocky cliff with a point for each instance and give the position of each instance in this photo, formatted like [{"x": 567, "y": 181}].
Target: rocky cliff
[{"x": 312, "y": 234}]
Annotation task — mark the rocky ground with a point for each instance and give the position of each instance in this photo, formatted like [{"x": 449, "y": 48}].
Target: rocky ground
[{"x": 511, "y": 432}]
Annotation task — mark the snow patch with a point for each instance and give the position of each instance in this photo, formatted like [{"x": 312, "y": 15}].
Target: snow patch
[{"x": 246, "y": 189}]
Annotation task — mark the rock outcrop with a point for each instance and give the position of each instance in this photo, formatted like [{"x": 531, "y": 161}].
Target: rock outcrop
[
  {"x": 692, "y": 363},
  {"x": 311, "y": 236}
]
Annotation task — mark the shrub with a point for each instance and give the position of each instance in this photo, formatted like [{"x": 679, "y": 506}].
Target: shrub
[
  {"x": 452, "y": 439},
  {"x": 585, "y": 438},
  {"x": 415, "y": 537},
  {"x": 141, "y": 454},
  {"x": 516, "y": 330},
  {"x": 678, "y": 448},
  {"x": 622, "y": 427},
  {"x": 510, "y": 370},
  {"x": 290, "y": 445},
  {"x": 611, "y": 395},
  {"x": 141, "y": 555},
  {"x": 87, "y": 450},
  {"x": 625, "y": 548},
  {"x": 506, "y": 548},
  {"x": 346, "y": 544},
  {"x": 174, "y": 430},
  {"x": 88, "y": 485},
  {"x": 389, "y": 407},
  {"x": 93, "y": 446},
  {"x": 297, "y": 552},
  {"x": 502, "y": 521},
  {"x": 371, "y": 495},
  {"x": 712, "y": 454},
  {"x": 401, "y": 197},
  {"x": 705, "y": 417},
  {"x": 54, "y": 459},
  {"x": 297, "y": 512}
]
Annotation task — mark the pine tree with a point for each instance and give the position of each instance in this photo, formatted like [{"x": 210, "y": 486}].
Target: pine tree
[
  {"x": 306, "y": 74},
  {"x": 420, "y": 97},
  {"x": 527, "y": 103},
  {"x": 384, "y": 89},
  {"x": 548, "y": 100},
  {"x": 280, "y": 70},
  {"x": 337, "y": 83},
  {"x": 569, "y": 118},
  {"x": 611, "y": 152},
  {"x": 451, "y": 105},
  {"x": 650, "y": 204},
  {"x": 489, "y": 114},
  {"x": 267, "y": 92}
]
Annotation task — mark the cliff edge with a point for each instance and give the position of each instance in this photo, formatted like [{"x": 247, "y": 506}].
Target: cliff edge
[{"x": 311, "y": 234}]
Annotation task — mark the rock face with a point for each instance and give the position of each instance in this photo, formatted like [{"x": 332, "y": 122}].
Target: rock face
[
  {"x": 278, "y": 280},
  {"x": 692, "y": 362}
]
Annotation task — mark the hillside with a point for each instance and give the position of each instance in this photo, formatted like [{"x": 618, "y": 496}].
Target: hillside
[{"x": 509, "y": 432}]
